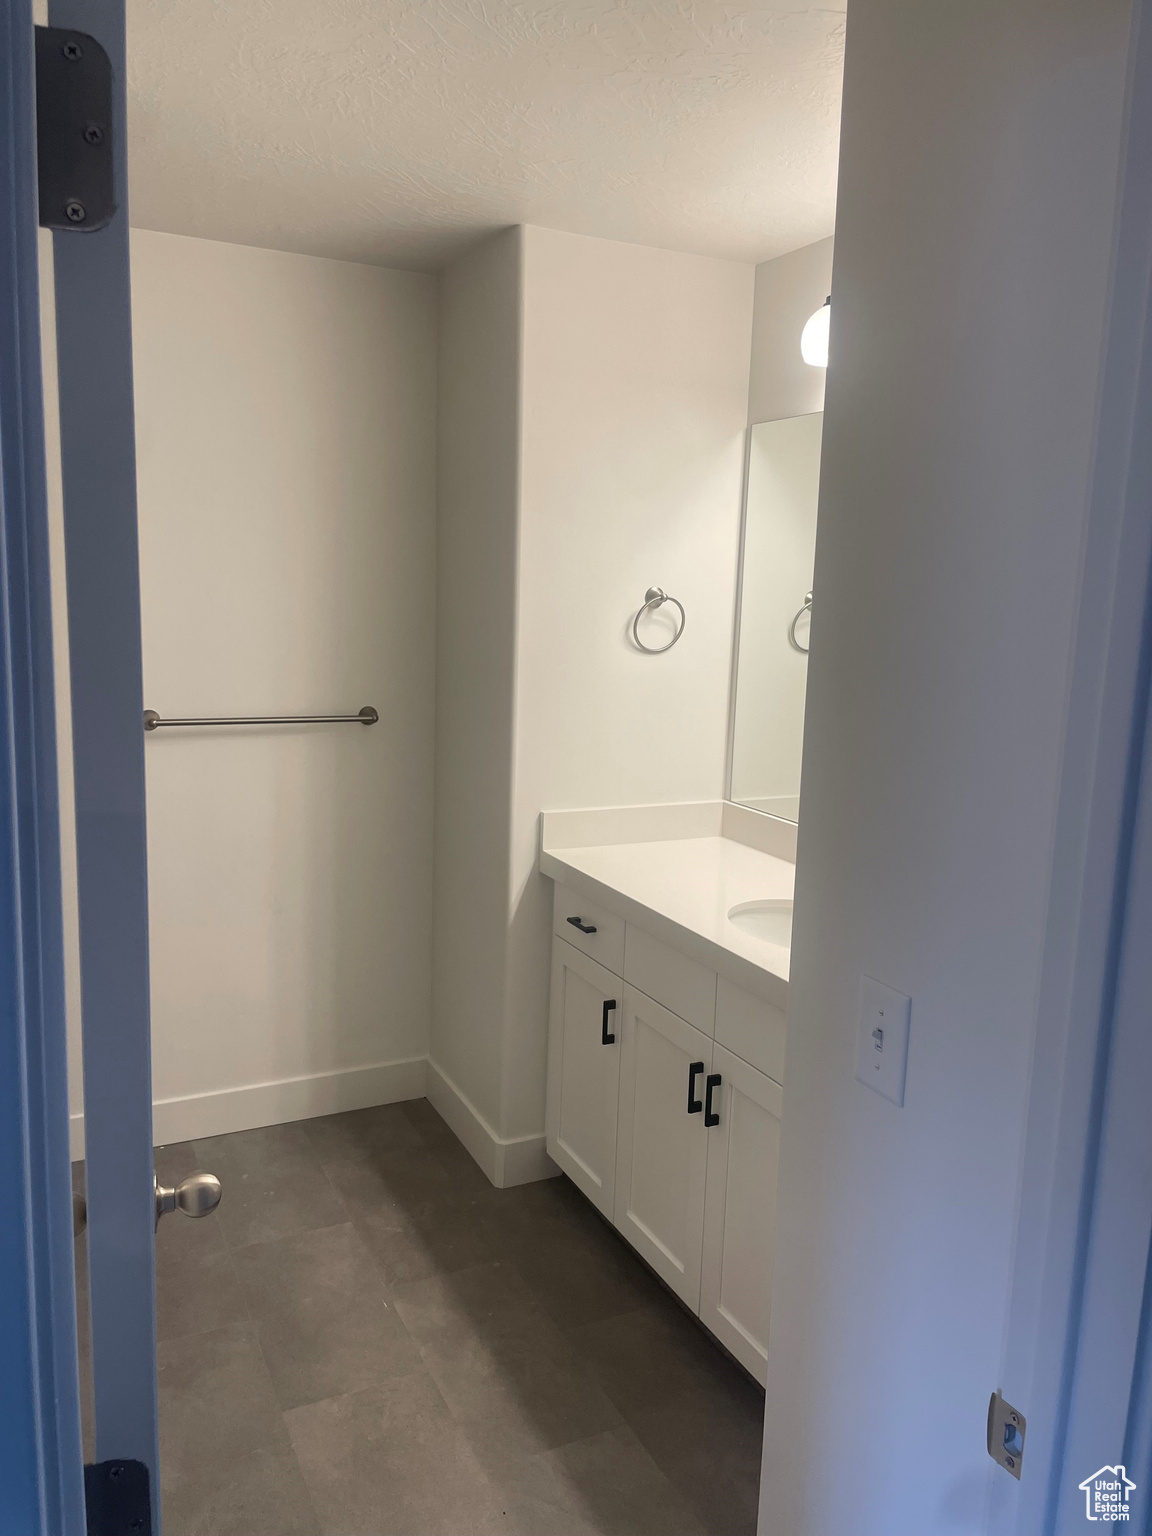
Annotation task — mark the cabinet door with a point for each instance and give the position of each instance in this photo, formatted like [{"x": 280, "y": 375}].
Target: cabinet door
[
  {"x": 740, "y": 1209},
  {"x": 662, "y": 1146},
  {"x": 583, "y": 1072}
]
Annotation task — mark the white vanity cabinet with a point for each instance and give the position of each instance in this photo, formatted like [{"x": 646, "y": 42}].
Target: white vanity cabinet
[
  {"x": 669, "y": 1132},
  {"x": 740, "y": 1210},
  {"x": 661, "y": 1144},
  {"x": 584, "y": 1073}
]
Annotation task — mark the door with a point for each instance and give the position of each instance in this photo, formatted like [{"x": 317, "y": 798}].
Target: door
[
  {"x": 64, "y": 164},
  {"x": 584, "y": 1072},
  {"x": 41, "y": 1487},
  {"x": 82, "y": 172},
  {"x": 662, "y": 1142},
  {"x": 740, "y": 1209}
]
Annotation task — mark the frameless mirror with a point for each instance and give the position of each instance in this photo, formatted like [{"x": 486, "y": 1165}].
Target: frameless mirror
[{"x": 775, "y": 609}]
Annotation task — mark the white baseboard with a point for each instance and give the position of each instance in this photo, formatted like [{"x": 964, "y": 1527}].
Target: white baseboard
[
  {"x": 507, "y": 1160},
  {"x": 291, "y": 1098}
]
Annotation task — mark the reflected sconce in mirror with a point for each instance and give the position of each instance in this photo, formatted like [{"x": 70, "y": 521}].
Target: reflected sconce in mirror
[{"x": 814, "y": 336}]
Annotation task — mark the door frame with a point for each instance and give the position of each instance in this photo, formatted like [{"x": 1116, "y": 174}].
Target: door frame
[
  {"x": 41, "y": 1471},
  {"x": 1069, "y": 1358}
]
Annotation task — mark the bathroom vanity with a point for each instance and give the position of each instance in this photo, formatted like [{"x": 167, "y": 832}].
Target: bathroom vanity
[{"x": 670, "y": 949}]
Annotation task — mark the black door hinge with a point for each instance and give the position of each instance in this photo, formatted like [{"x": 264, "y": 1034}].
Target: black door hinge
[
  {"x": 117, "y": 1498},
  {"x": 73, "y": 130}
]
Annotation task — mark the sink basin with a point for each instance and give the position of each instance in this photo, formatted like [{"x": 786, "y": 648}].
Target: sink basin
[{"x": 767, "y": 920}]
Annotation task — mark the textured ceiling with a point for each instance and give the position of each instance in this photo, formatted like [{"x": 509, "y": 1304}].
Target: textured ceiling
[{"x": 398, "y": 132}]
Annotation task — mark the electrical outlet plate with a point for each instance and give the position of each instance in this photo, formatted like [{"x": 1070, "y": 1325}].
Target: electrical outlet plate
[{"x": 882, "y": 1039}]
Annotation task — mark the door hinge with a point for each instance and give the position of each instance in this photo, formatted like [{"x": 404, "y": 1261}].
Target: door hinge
[
  {"x": 73, "y": 131},
  {"x": 117, "y": 1499},
  {"x": 1006, "y": 1429}
]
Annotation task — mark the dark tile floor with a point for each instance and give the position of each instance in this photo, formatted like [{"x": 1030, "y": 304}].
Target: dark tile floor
[{"x": 367, "y": 1339}]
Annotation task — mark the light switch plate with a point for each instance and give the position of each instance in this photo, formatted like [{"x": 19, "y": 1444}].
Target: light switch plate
[{"x": 882, "y": 1039}]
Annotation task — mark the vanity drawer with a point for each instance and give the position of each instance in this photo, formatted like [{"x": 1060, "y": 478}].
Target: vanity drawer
[
  {"x": 573, "y": 915},
  {"x": 671, "y": 978},
  {"x": 751, "y": 1028}
]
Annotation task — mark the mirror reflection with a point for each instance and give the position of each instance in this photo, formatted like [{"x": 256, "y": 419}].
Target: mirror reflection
[{"x": 775, "y": 613}]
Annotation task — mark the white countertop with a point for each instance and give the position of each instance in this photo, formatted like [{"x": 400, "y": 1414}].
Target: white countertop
[{"x": 681, "y": 889}]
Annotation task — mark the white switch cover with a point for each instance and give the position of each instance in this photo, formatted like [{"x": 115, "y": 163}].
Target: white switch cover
[{"x": 882, "y": 1039}]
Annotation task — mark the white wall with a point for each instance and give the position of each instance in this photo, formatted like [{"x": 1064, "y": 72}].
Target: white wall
[
  {"x": 635, "y": 388},
  {"x": 972, "y": 247},
  {"x": 285, "y": 419},
  {"x": 285, "y": 412},
  {"x": 631, "y": 383},
  {"x": 479, "y": 424},
  {"x": 788, "y": 289}
]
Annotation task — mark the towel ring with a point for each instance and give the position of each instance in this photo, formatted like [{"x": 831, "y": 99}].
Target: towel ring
[
  {"x": 655, "y": 598},
  {"x": 805, "y": 608}
]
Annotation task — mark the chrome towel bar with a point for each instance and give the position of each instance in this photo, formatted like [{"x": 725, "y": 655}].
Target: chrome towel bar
[{"x": 366, "y": 716}]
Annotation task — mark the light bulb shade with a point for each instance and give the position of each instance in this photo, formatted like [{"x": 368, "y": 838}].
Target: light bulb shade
[{"x": 814, "y": 336}]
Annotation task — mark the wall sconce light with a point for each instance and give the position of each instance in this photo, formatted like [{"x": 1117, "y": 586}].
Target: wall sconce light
[{"x": 814, "y": 336}]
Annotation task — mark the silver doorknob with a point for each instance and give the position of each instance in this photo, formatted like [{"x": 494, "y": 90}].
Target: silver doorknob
[{"x": 197, "y": 1195}]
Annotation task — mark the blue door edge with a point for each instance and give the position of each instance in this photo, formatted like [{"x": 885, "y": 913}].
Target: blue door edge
[{"x": 41, "y": 1471}]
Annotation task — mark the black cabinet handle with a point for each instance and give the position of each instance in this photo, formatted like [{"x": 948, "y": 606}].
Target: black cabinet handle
[
  {"x": 605, "y": 1037},
  {"x": 694, "y": 1104},
  {"x": 583, "y": 927},
  {"x": 711, "y": 1083}
]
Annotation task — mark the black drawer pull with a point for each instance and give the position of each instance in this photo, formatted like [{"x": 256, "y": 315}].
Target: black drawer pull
[
  {"x": 711, "y": 1083},
  {"x": 583, "y": 927},
  {"x": 605, "y": 1037},
  {"x": 695, "y": 1105}
]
